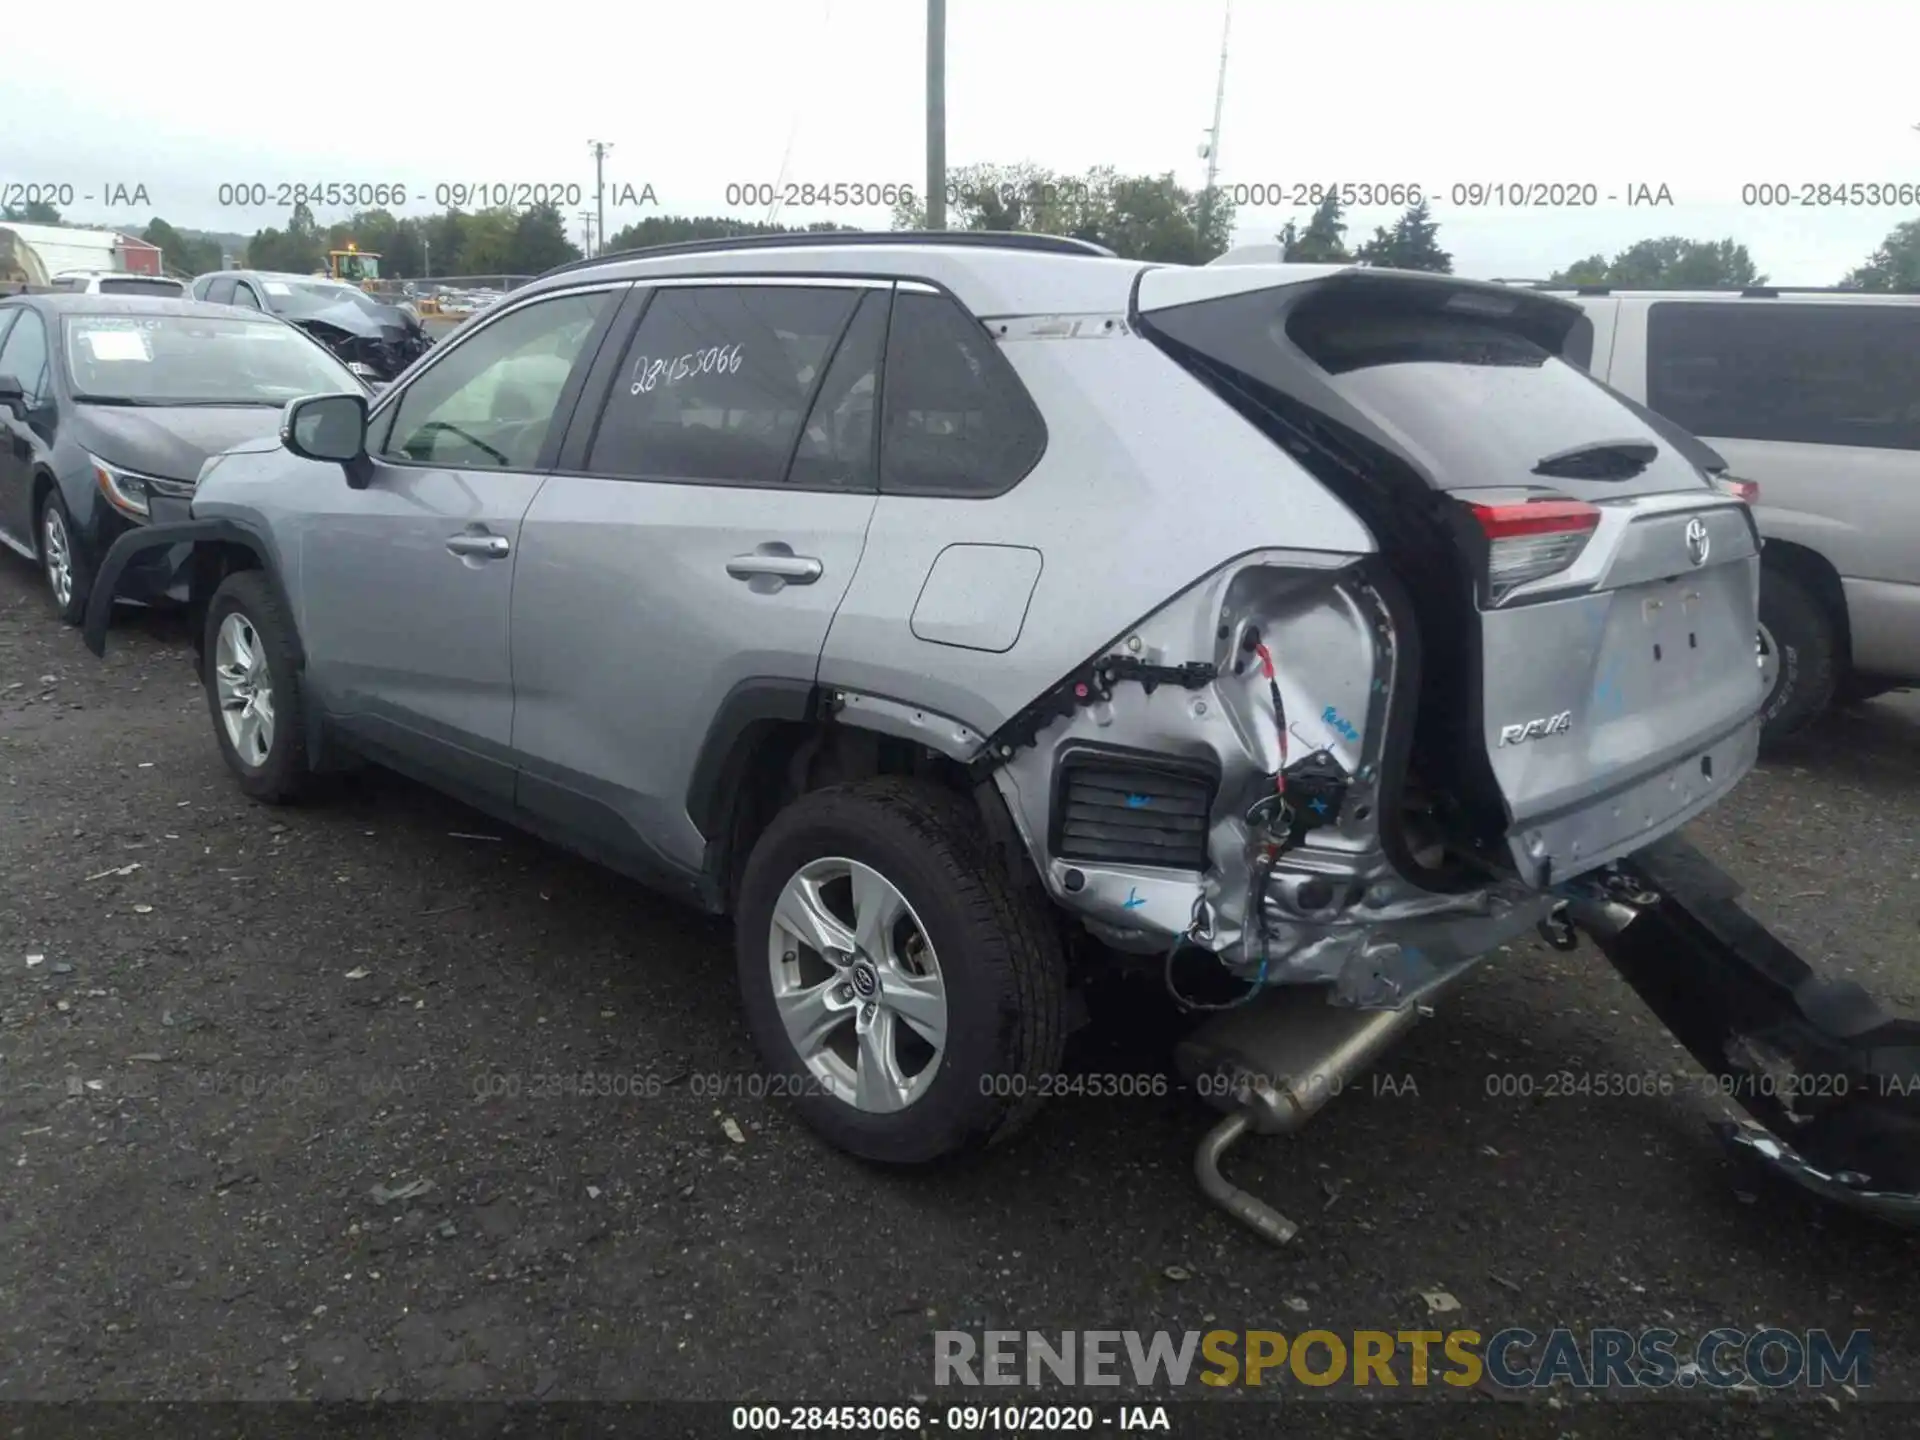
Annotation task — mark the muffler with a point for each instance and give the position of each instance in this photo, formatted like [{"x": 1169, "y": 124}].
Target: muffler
[
  {"x": 1272, "y": 1065},
  {"x": 1832, "y": 1079}
]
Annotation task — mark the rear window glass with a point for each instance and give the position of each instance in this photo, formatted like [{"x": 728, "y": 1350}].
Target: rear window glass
[
  {"x": 717, "y": 380},
  {"x": 1757, "y": 369},
  {"x": 1474, "y": 402},
  {"x": 130, "y": 285}
]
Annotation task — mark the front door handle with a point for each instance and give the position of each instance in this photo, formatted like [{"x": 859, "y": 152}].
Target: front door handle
[
  {"x": 480, "y": 547},
  {"x": 790, "y": 568}
]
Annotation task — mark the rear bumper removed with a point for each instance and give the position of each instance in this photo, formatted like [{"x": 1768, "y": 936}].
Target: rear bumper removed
[{"x": 1832, "y": 1080}]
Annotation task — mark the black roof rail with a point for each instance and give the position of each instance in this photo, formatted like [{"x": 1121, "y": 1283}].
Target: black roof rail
[
  {"x": 962, "y": 239},
  {"x": 1758, "y": 292}
]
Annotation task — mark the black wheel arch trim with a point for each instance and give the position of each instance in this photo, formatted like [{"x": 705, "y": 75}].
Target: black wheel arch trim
[
  {"x": 730, "y": 741},
  {"x": 153, "y": 537}
]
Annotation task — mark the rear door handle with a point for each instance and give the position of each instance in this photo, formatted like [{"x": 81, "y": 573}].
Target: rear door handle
[
  {"x": 480, "y": 547},
  {"x": 793, "y": 569}
]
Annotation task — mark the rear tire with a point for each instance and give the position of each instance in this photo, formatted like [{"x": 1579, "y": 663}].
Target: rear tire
[
  {"x": 1806, "y": 643},
  {"x": 252, "y": 680},
  {"x": 986, "y": 944}
]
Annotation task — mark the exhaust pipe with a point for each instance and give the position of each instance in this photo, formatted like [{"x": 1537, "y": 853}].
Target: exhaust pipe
[{"x": 1273, "y": 1065}]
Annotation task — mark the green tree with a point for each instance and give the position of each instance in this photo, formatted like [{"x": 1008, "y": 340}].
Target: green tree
[
  {"x": 540, "y": 241},
  {"x": 1412, "y": 243},
  {"x": 677, "y": 229},
  {"x": 179, "y": 252},
  {"x": 34, "y": 212},
  {"x": 1894, "y": 266},
  {"x": 299, "y": 249},
  {"x": 1142, "y": 217},
  {"x": 1670, "y": 262},
  {"x": 487, "y": 243},
  {"x": 1323, "y": 241}
]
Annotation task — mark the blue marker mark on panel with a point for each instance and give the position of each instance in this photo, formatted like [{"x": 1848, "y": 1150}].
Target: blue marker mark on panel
[
  {"x": 1341, "y": 725},
  {"x": 1137, "y": 802},
  {"x": 1134, "y": 899},
  {"x": 1319, "y": 807}
]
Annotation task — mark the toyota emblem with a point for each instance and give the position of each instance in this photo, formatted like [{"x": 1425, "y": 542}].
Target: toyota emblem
[{"x": 1697, "y": 542}]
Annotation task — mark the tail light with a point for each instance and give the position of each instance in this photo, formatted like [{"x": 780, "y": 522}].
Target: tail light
[
  {"x": 1532, "y": 539},
  {"x": 1747, "y": 492}
]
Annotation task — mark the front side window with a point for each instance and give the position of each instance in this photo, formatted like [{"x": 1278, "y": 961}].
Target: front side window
[
  {"x": 25, "y": 359},
  {"x": 489, "y": 404},
  {"x": 195, "y": 360},
  {"x": 716, "y": 382},
  {"x": 958, "y": 421},
  {"x": 220, "y": 290},
  {"x": 243, "y": 295},
  {"x": 1767, "y": 369}
]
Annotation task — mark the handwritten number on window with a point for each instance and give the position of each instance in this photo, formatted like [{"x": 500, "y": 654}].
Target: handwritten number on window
[{"x": 714, "y": 360}]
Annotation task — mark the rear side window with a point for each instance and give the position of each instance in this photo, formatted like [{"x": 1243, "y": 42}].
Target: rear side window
[
  {"x": 717, "y": 380},
  {"x": 1577, "y": 348},
  {"x": 838, "y": 447},
  {"x": 957, "y": 419},
  {"x": 144, "y": 285},
  {"x": 1836, "y": 374}
]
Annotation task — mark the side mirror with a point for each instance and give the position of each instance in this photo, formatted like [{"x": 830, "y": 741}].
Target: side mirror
[
  {"x": 13, "y": 395},
  {"x": 329, "y": 428}
]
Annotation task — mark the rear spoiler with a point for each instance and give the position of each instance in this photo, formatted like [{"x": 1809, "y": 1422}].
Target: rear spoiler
[{"x": 1547, "y": 320}]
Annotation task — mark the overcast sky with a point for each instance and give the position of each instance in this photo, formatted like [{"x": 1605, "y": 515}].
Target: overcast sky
[{"x": 1697, "y": 95}]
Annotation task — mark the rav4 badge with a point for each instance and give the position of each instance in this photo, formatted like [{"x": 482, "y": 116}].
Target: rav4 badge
[{"x": 1537, "y": 729}]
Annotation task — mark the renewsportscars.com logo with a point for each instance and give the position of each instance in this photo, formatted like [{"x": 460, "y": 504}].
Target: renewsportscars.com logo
[{"x": 1513, "y": 1358}]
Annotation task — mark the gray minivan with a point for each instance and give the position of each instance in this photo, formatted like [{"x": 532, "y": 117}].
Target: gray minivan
[{"x": 1815, "y": 397}]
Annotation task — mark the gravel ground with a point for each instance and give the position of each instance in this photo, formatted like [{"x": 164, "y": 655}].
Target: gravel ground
[{"x": 250, "y": 1028}]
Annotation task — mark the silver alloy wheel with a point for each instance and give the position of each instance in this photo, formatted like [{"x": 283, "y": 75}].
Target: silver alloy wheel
[
  {"x": 857, "y": 985},
  {"x": 1769, "y": 662},
  {"x": 59, "y": 555},
  {"x": 246, "y": 689}
]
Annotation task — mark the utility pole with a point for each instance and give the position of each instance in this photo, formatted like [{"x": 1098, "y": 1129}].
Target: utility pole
[
  {"x": 1212, "y": 148},
  {"x": 600, "y": 148},
  {"x": 936, "y": 114},
  {"x": 586, "y": 229},
  {"x": 426, "y": 254}
]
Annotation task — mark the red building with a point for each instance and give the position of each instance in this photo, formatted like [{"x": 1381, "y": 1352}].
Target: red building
[{"x": 136, "y": 256}]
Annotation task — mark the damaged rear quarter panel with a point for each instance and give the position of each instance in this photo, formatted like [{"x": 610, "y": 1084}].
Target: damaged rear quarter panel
[{"x": 1148, "y": 484}]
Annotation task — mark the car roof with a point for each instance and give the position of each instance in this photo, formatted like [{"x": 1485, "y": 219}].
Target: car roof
[
  {"x": 71, "y": 304},
  {"x": 991, "y": 274}
]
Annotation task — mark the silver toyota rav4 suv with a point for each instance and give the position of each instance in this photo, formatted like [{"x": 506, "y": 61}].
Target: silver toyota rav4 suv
[{"x": 955, "y": 611}]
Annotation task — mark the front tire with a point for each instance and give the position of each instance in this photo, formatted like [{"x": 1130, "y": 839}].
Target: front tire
[
  {"x": 898, "y": 982},
  {"x": 1805, "y": 641},
  {"x": 66, "y": 569},
  {"x": 252, "y": 682}
]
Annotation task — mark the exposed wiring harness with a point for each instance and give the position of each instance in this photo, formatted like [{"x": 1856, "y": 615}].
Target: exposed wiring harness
[{"x": 1271, "y": 820}]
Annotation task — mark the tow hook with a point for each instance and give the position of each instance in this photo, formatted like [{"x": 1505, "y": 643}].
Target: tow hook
[
  {"x": 1558, "y": 931},
  {"x": 1832, "y": 1080}
]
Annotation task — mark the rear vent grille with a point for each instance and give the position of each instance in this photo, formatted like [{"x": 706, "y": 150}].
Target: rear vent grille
[{"x": 1117, "y": 810}]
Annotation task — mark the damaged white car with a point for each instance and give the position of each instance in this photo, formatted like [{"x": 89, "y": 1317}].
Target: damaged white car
[{"x": 966, "y": 614}]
